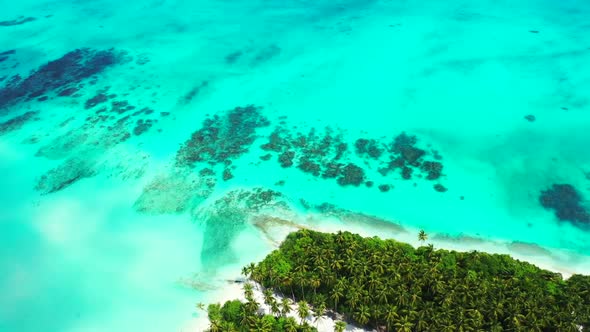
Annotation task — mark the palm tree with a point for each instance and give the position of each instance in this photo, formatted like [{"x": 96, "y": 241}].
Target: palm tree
[
  {"x": 382, "y": 293},
  {"x": 404, "y": 325},
  {"x": 336, "y": 294},
  {"x": 245, "y": 272},
  {"x": 300, "y": 277},
  {"x": 268, "y": 297},
  {"x": 336, "y": 263},
  {"x": 252, "y": 307},
  {"x": 305, "y": 327},
  {"x": 319, "y": 311},
  {"x": 391, "y": 316},
  {"x": 288, "y": 281},
  {"x": 422, "y": 236},
  {"x": 339, "y": 326},
  {"x": 274, "y": 308},
  {"x": 374, "y": 281},
  {"x": 285, "y": 306},
  {"x": 200, "y": 306},
  {"x": 263, "y": 325},
  {"x": 228, "y": 327},
  {"x": 422, "y": 319},
  {"x": 248, "y": 291},
  {"x": 450, "y": 327},
  {"x": 362, "y": 315},
  {"x": 215, "y": 325},
  {"x": 302, "y": 310},
  {"x": 290, "y": 325},
  {"x": 245, "y": 317},
  {"x": 354, "y": 297},
  {"x": 248, "y": 269},
  {"x": 315, "y": 283}
]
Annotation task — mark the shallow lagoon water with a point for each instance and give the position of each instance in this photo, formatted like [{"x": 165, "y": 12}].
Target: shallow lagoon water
[{"x": 84, "y": 250}]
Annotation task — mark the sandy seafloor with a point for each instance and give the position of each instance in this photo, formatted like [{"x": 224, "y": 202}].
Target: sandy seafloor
[{"x": 98, "y": 255}]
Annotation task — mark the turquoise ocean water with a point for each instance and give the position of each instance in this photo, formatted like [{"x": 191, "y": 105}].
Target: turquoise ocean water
[{"x": 146, "y": 146}]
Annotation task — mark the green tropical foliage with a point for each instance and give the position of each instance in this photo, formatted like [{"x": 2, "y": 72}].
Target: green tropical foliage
[
  {"x": 392, "y": 286},
  {"x": 422, "y": 236},
  {"x": 238, "y": 316}
]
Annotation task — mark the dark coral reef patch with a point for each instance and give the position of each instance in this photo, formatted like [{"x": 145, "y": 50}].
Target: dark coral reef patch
[
  {"x": 222, "y": 138},
  {"x": 328, "y": 155},
  {"x": 17, "y": 122},
  {"x": 18, "y": 21},
  {"x": 62, "y": 74},
  {"x": 315, "y": 153},
  {"x": 193, "y": 93},
  {"x": 6, "y": 55},
  {"x": 566, "y": 201},
  {"x": 211, "y": 149}
]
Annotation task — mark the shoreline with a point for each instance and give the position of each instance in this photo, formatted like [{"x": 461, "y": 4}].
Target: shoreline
[{"x": 234, "y": 291}]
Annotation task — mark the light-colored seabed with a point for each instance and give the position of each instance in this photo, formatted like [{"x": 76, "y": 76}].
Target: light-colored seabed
[{"x": 461, "y": 76}]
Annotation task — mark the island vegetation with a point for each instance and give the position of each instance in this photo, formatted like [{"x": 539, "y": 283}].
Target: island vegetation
[{"x": 391, "y": 286}]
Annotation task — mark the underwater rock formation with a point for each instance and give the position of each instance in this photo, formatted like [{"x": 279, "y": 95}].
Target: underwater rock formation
[
  {"x": 99, "y": 98},
  {"x": 440, "y": 188},
  {"x": 173, "y": 193},
  {"x": 384, "y": 188},
  {"x": 328, "y": 210},
  {"x": 6, "y": 55},
  {"x": 233, "y": 57},
  {"x": 351, "y": 175},
  {"x": 565, "y": 200},
  {"x": 327, "y": 155},
  {"x": 368, "y": 147},
  {"x": 222, "y": 138},
  {"x": 19, "y": 21},
  {"x": 265, "y": 54},
  {"x": 17, "y": 122},
  {"x": 433, "y": 168},
  {"x": 194, "y": 92},
  {"x": 313, "y": 153},
  {"x": 404, "y": 145},
  {"x": 66, "y": 174},
  {"x": 61, "y": 74}
]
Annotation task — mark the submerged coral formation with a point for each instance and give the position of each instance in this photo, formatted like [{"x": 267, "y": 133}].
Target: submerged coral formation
[
  {"x": 328, "y": 155},
  {"x": 313, "y": 153},
  {"x": 17, "y": 122},
  {"x": 565, "y": 200},
  {"x": 265, "y": 54},
  {"x": 173, "y": 193},
  {"x": 225, "y": 218},
  {"x": 66, "y": 174},
  {"x": 193, "y": 93},
  {"x": 222, "y": 138},
  {"x": 19, "y": 21},
  {"x": 5, "y": 55},
  {"x": 64, "y": 73}
]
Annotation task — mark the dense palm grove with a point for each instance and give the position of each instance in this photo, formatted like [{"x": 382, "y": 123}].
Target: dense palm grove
[{"x": 391, "y": 286}]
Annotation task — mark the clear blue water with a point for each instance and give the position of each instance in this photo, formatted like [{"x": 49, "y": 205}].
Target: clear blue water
[{"x": 107, "y": 227}]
